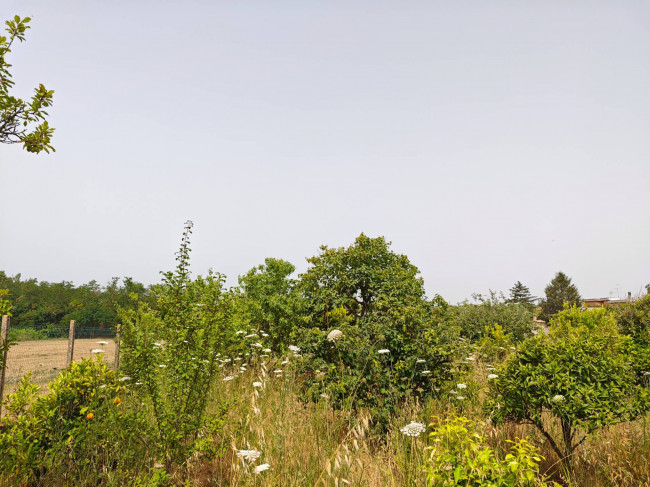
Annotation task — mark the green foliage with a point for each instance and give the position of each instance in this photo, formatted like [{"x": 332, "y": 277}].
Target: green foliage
[
  {"x": 41, "y": 305},
  {"x": 582, "y": 373},
  {"x": 375, "y": 298},
  {"x": 520, "y": 294},
  {"x": 460, "y": 457},
  {"x": 634, "y": 319},
  {"x": 84, "y": 427},
  {"x": 559, "y": 291},
  {"x": 172, "y": 352},
  {"x": 268, "y": 300},
  {"x": 496, "y": 344},
  {"x": 474, "y": 319},
  {"x": 22, "y": 121}
]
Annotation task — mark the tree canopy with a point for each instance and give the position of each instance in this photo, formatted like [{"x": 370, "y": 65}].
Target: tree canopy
[
  {"x": 22, "y": 121},
  {"x": 559, "y": 291}
]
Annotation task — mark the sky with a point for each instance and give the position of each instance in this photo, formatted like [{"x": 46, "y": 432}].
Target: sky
[{"x": 490, "y": 142}]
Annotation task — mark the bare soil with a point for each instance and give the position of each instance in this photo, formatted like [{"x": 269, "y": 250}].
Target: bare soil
[{"x": 46, "y": 358}]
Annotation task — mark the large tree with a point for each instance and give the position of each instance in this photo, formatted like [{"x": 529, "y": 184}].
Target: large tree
[
  {"x": 22, "y": 121},
  {"x": 559, "y": 291}
]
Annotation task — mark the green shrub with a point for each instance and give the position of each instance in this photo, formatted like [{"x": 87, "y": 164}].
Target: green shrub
[
  {"x": 459, "y": 456},
  {"x": 474, "y": 318},
  {"x": 85, "y": 428},
  {"x": 582, "y": 374},
  {"x": 172, "y": 352}
]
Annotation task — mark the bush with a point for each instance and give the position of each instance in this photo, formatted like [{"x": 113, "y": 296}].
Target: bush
[
  {"x": 582, "y": 373},
  {"x": 84, "y": 428},
  {"x": 172, "y": 352},
  {"x": 460, "y": 456},
  {"x": 475, "y": 318}
]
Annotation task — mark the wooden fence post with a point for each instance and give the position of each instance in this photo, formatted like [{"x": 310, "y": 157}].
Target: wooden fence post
[
  {"x": 70, "y": 343},
  {"x": 4, "y": 336},
  {"x": 118, "y": 339}
]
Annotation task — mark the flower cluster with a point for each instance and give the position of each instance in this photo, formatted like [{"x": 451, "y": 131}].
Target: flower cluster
[{"x": 413, "y": 429}]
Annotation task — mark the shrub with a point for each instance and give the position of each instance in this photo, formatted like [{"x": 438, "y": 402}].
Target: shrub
[
  {"x": 83, "y": 428},
  {"x": 460, "y": 456},
  {"x": 582, "y": 374},
  {"x": 172, "y": 352},
  {"x": 474, "y": 318}
]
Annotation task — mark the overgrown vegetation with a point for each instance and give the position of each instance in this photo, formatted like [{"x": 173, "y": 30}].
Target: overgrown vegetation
[{"x": 346, "y": 374}]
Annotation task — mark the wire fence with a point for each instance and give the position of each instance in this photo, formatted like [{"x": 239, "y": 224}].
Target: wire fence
[{"x": 46, "y": 351}]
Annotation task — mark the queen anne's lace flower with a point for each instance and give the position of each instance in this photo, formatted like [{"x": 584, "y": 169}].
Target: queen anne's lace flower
[
  {"x": 257, "y": 384},
  {"x": 97, "y": 350},
  {"x": 250, "y": 455},
  {"x": 420, "y": 361},
  {"x": 334, "y": 335},
  {"x": 102, "y": 342},
  {"x": 383, "y": 351},
  {"x": 492, "y": 376},
  {"x": 293, "y": 348},
  {"x": 426, "y": 372},
  {"x": 230, "y": 377},
  {"x": 262, "y": 467},
  {"x": 413, "y": 429},
  {"x": 461, "y": 386},
  {"x": 558, "y": 398}
]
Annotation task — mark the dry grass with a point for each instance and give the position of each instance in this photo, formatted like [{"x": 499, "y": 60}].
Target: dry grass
[{"x": 46, "y": 358}]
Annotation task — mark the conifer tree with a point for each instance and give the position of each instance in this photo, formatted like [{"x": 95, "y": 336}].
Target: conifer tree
[{"x": 559, "y": 291}]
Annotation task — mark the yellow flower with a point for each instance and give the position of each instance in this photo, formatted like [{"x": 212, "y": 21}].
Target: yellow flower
[{"x": 117, "y": 400}]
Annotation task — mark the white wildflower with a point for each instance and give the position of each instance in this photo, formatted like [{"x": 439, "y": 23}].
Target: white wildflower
[
  {"x": 293, "y": 348},
  {"x": 420, "y": 361},
  {"x": 492, "y": 376},
  {"x": 252, "y": 335},
  {"x": 413, "y": 429},
  {"x": 265, "y": 334},
  {"x": 250, "y": 455},
  {"x": 383, "y": 351},
  {"x": 162, "y": 366},
  {"x": 469, "y": 359},
  {"x": 267, "y": 350},
  {"x": 558, "y": 398},
  {"x": 277, "y": 371},
  {"x": 102, "y": 342},
  {"x": 334, "y": 335},
  {"x": 284, "y": 362},
  {"x": 461, "y": 386},
  {"x": 324, "y": 396},
  {"x": 156, "y": 344},
  {"x": 257, "y": 345},
  {"x": 124, "y": 379},
  {"x": 240, "y": 332},
  {"x": 261, "y": 468},
  {"x": 257, "y": 384},
  {"x": 230, "y": 377},
  {"x": 460, "y": 398},
  {"x": 96, "y": 350},
  {"x": 426, "y": 372}
]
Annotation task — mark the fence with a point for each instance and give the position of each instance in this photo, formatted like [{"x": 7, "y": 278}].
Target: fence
[{"x": 45, "y": 352}]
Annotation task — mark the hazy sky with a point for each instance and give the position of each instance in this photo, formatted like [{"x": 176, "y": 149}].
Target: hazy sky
[{"x": 489, "y": 141}]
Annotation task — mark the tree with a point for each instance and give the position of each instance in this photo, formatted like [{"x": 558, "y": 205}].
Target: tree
[
  {"x": 559, "y": 291},
  {"x": 22, "y": 121},
  {"x": 583, "y": 373},
  {"x": 521, "y": 294},
  {"x": 368, "y": 330}
]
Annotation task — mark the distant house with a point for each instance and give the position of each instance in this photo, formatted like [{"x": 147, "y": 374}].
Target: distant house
[{"x": 603, "y": 302}]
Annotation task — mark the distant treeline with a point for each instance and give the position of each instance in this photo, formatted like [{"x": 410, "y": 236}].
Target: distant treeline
[{"x": 45, "y": 305}]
